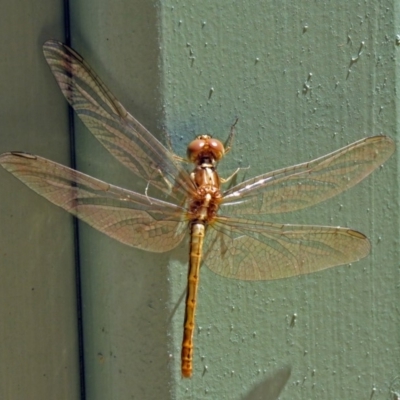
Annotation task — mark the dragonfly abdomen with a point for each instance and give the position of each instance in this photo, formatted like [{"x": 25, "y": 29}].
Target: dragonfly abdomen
[{"x": 197, "y": 232}]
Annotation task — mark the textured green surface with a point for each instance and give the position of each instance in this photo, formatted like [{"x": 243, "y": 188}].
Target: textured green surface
[
  {"x": 38, "y": 334},
  {"x": 125, "y": 291},
  {"x": 258, "y": 58},
  {"x": 189, "y": 67}
]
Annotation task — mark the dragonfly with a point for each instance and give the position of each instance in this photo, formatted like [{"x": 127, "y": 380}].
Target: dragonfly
[{"x": 224, "y": 226}]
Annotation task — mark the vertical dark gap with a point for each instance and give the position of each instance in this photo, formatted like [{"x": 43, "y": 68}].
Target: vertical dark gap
[{"x": 78, "y": 283}]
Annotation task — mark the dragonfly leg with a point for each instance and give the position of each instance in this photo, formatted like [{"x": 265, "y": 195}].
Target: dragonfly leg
[
  {"x": 229, "y": 141},
  {"x": 170, "y": 148},
  {"x": 231, "y": 176}
]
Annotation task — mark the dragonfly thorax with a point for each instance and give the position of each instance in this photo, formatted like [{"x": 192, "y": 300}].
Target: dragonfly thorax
[
  {"x": 205, "y": 202},
  {"x": 204, "y": 207}
]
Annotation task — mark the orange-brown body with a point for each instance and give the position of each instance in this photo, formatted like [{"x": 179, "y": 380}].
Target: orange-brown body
[{"x": 203, "y": 207}]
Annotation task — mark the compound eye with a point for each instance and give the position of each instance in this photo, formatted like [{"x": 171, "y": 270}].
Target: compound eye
[
  {"x": 195, "y": 148},
  {"x": 216, "y": 148}
]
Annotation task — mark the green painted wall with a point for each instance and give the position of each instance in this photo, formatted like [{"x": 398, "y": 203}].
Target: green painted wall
[
  {"x": 189, "y": 67},
  {"x": 38, "y": 328},
  {"x": 258, "y": 57}
]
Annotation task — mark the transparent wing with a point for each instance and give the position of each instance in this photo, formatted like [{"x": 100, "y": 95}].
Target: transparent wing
[
  {"x": 119, "y": 132},
  {"x": 309, "y": 183},
  {"x": 131, "y": 218},
  {"x": 252, "y": 250}
]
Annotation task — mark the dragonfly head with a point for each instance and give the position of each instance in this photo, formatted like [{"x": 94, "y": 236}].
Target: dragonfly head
[{"x": 204, "y": 146}]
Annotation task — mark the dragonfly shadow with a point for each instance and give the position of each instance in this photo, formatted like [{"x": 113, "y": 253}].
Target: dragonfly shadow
[{"x": 270, "y": 388}]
